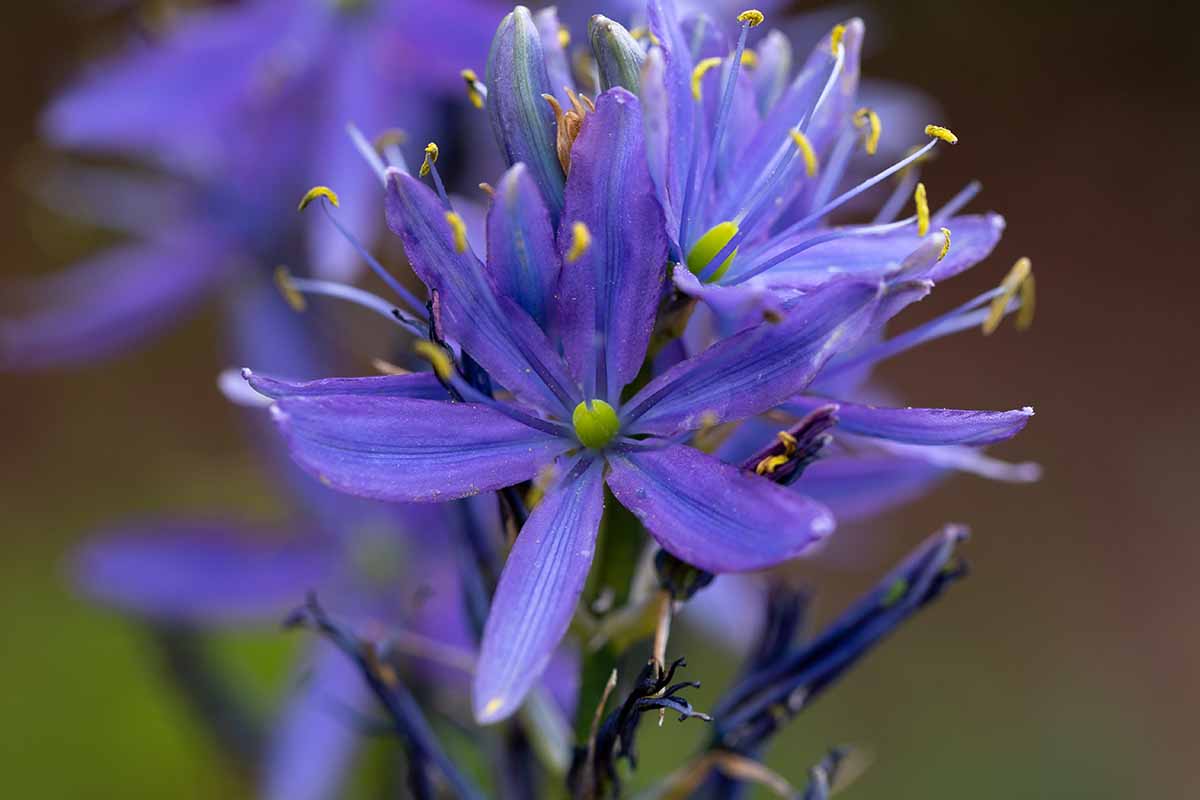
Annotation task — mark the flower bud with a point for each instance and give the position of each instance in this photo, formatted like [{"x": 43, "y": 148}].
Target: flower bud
[
  {"x": 618, "y": 55},
  {"x": 521, "y": 118}
]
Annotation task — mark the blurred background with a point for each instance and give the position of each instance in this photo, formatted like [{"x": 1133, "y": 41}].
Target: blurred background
[{"x": 1067, "y": 666}]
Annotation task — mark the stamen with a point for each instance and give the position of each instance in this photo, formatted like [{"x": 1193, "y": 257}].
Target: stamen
[
  {"x": 318, "y": 191},
  {"x": 568, "y": 124},
  {"x": 699, "y": 72},
  {"x": 1025, "y": 313},
  {"x": 867, "y": 118},
  {"x": 487, "y": 189},
  {"x": 389, "y": 143},
  {"x": 564, "y": 36},
  {"x": 283, "y": 280},
  {"x": 835, "y": 38},
  {"x": 642, "y": 32},
  {"x": 702, "y": 252},
  {"x": 581, "y": 240},
  {"x": 922, "y": 203},
  {"x": 393, "y": 284},
  {"x": 806, "y": 150},
  {"x": 460, "y": 231},
  {"x": 955, "y": 204},
  {"x": 428, "y": 167},
  {"x": 431, "y": 157},
  {"x": 1009, "y": 287},
  {"x": 752, "y": 16},
  {"x": 750, "y": 59},
  {"x": 938, "y": 132},
  {"x": 476, "y": 91},
  {"x": 369, "y": 153},
  {"x": 293, "y": 290},
  {"x": 438, "y": 358},
  {"x": 946, "y": 246}
]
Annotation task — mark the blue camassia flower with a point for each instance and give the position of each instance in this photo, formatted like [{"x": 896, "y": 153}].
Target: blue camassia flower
[{"x": 546, "y": 376}]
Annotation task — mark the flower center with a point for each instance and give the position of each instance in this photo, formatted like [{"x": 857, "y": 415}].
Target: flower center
[{"x": 595, "y": 423}]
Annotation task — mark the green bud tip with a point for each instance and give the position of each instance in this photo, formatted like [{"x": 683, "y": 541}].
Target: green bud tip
[
  {"x": 710, "y": 244},
  {"x": 595, "y": 425}
]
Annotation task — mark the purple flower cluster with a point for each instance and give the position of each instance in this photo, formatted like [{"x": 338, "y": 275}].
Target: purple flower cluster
[
  {"x": 557, "y": 356},
  {"x": 663, "y": 321}
]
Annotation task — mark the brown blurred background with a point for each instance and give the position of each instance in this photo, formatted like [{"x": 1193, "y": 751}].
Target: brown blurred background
[{"x": 1067, "y": 666}]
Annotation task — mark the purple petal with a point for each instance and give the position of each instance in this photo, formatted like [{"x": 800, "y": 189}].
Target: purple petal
[
  {"x": 522, "y": 257},
  {"x": 402, "y": 449},
  {"x": 418, "y": 385},
  {"x": 314, "y": 742},
  {"x": 112, "y": 302},
  {"x": 758, "y": 368},
  {"x": 611, "y": 292},
  {"x": 558, "y": 66},
  {"x": 679, "y": 105},
  {"x": 538, "y": 592},
  {"x": 857, "y": 488},
  {"x": 494, "y": 330},
  {"x": 929, "y": 426},
  {"x": 660, "y": 156},
  {"x": 714, "y": 515},
  {"x": 202, "y": 572},
  {"x": 744, "y": 305}
]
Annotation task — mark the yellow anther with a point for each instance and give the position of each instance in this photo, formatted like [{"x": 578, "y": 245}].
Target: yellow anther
[
  {"x": 771, "y": 463},
  {"x": 698, "y": 74},
  {"x": 283, "y": 279},
  {"x": 1013, "y": 282},
  {"x": 564, "y": 36},
  {"x": 749, "y": 59},
  {"x": 788, "y": 441},
  {"x": 946, "y": 245},
  {"x": 751, "y": 15},
  {"x": 938, "y": 132},
  {"x": 460, "y": 231},
  {"x": 867, "y": 118},
  {"x": 431, "y": 157},
  {"x": 487, "y": 189},
  {"x": 474, "y": 93},
  {"x": 921, "y": 200},
  {"x": 581, "y": 240},
  {"x": 437, "y": 357},
  {"x": 835, "y": 38},
  {"x": 318, "y": 191},
  {"x": 806, "y": 150},
  {"x": 1025, "y": 314}
]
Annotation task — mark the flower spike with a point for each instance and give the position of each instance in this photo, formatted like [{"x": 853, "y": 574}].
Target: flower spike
[{"x": 316, "y": 192}]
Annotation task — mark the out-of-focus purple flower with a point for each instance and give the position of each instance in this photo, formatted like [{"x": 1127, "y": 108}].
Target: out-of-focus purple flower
[{"x": 244, "y": 105}]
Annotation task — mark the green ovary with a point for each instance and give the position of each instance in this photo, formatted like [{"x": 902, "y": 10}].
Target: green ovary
[
  {"x": 707, "y": 248},
  {"x": 595, "y": 425}
]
